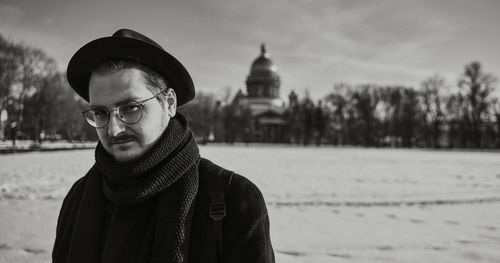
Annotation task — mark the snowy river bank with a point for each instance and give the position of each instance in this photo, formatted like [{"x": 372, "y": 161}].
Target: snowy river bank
[{"x": 325, "y": 204}]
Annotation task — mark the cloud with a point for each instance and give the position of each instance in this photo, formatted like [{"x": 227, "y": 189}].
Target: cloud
[
  {"x": 10, "y": 15},
  {"x": 314, "y": 43}
]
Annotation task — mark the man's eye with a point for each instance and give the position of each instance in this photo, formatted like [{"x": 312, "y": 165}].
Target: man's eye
[
  {"x": 129, "y": 108},
  {"x": 100, "y": 113}
]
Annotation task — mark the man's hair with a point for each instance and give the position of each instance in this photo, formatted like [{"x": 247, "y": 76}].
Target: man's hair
[{"x": 154, "y": 81}]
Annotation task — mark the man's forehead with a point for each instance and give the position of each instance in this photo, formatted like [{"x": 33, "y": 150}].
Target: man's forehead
[{"x": 117, "y": 87}]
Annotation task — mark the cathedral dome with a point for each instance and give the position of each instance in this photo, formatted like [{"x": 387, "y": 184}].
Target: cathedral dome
[
  {"x": 263, "y": 66},
  {"x": 263, "y": 80}
]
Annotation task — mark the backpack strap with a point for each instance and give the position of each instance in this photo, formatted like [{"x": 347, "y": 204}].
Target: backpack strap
[{"x": 219, "y": 180}]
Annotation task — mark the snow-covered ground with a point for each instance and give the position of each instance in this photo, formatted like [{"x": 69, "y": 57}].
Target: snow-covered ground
[{"x": 325, "y": 204}]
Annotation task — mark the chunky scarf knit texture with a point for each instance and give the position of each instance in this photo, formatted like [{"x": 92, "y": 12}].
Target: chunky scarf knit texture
[{"x": 162, "y": 184}]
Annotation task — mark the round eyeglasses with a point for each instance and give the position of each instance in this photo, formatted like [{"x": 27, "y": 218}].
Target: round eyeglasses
[{"x": 129, "y": 113}]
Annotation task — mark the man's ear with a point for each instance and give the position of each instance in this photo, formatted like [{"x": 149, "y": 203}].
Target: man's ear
[{"x": 171, "y": 100}]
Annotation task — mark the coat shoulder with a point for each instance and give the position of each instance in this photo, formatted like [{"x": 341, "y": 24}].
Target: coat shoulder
[
  {"x": 241, "y": 194},
  {"x": 246, "y": 224}
]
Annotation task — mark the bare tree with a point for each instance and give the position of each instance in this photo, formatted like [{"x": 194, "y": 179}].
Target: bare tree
[
  {"x": 432, "y": 109},
  {"x": 9, "y": 56},
  {"x": 496, "y": 111},
  {"x": 33, "y": 66},
  {"x": 365, "y": 100},
  {"x": 337, "y": 104},
  {"x": 478, "y": 86}
]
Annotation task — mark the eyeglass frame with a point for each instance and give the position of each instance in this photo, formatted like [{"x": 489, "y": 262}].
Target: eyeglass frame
[{"x": 115, "y": 109}]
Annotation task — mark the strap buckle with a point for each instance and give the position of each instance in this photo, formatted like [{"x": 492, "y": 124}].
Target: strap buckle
[{"x": 217, "y": 210}]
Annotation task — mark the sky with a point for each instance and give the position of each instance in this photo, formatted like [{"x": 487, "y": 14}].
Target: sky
[{"x": 314, "y": 43}]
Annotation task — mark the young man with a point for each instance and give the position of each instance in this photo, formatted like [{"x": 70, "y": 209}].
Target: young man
[{"x": 149, "y": 196}]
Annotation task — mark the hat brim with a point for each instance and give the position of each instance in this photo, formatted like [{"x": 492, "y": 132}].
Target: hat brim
[{"x": 125, "y": 48}]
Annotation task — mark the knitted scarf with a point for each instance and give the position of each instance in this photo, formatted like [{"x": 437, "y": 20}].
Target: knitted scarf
[{"x": 156, "y": 191}]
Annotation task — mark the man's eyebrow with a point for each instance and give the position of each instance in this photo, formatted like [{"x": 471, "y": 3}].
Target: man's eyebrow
[
  {"x": 121, "y": 102},
  {"x": 127, "y": 100}
]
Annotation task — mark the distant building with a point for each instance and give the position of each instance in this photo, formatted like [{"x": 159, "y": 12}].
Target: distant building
[{"x": 262, "y": 101}]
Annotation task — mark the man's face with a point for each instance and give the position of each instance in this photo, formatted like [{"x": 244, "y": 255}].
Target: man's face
[{"x": 126, "y": 142}]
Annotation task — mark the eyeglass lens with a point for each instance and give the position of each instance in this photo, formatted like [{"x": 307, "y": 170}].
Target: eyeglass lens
[{"x": 99, "y": 117}]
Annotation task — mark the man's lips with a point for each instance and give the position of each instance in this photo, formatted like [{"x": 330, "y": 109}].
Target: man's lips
[{"x": 121, "y": 140}]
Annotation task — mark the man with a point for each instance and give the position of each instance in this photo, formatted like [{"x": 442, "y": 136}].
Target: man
[{"x": 149, "y": 196}]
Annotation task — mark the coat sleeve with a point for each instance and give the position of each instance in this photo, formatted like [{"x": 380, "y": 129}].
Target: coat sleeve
[
  {"x": 246, "y": 226},
  {"x": 66, "y": 219}
]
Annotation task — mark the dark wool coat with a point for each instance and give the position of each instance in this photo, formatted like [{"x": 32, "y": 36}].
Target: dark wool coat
[{"x": 245, "y": 227}]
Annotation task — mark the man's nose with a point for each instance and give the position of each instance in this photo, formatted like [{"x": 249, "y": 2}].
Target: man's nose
[{"x": 115, "y": 125}]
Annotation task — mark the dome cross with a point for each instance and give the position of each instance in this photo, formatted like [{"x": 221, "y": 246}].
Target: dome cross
[{"x": 263, "y": 49}]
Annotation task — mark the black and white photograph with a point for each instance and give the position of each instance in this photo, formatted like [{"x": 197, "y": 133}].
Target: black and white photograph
[{"x": 249, "y": 131}]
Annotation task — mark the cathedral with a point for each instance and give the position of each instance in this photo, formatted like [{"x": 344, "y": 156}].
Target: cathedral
[{"x": 262, "y": 100}]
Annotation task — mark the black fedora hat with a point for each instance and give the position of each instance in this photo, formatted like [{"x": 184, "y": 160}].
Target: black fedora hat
[{"x": 126, "y": 44}]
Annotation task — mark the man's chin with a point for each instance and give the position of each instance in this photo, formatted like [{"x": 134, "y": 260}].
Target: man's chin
[
  {"x": 125, "y": 152},
  {"x": 125, "y": 156}
]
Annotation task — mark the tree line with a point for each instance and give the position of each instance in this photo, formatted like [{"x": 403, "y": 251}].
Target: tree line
[
  {"x": 37, "y": 103},
  {"x": 434, "y": 115}
]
